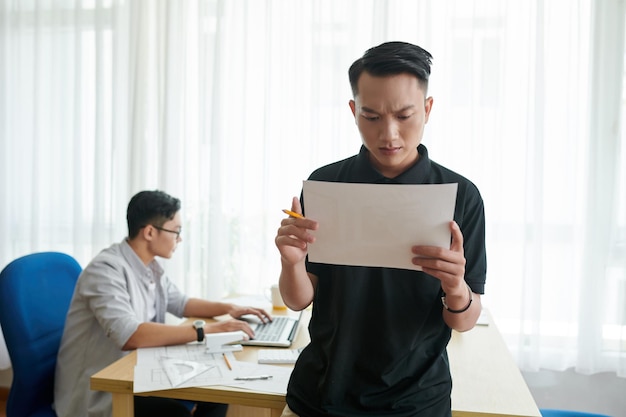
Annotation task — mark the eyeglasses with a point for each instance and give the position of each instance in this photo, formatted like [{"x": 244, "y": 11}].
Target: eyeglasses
[{"x": 176, "y": 232}]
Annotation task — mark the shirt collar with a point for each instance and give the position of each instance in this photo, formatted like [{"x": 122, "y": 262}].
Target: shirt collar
[
  {"x": 136, "y": 263},
  {"x": 416, "y": 174}
]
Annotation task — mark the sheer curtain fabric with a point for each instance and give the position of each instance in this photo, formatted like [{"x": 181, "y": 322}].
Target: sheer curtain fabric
[{"x": 229, "y": 105}]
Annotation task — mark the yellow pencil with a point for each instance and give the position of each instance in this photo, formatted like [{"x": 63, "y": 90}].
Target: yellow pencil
[
  {"x": 293, "y": 214},
  {"x": 227, "y": 361}
]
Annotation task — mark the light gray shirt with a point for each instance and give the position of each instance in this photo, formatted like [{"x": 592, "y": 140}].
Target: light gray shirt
[{"x": 114, "y": 294}]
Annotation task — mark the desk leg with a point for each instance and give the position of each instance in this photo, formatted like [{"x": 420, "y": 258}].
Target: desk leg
[
  {"x": 276, "y": 412},
  {"x": 123, "y": 405}
]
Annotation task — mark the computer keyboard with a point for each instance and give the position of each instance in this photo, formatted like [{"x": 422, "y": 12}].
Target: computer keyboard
[{"x": 270, "y": 331}]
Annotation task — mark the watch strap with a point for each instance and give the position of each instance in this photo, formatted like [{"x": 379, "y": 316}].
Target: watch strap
[{"x": 200, "y": 333}]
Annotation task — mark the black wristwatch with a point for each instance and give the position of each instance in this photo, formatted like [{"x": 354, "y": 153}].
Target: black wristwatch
[{"x": 199, "y": 326}]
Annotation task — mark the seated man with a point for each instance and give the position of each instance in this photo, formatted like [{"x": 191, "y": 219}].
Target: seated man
[{"x": 119, "y": 304}]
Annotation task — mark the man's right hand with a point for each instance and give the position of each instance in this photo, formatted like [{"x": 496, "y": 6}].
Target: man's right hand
[
  {"x": 231, "y": 325},
  {"x": 293, "y": 236}
]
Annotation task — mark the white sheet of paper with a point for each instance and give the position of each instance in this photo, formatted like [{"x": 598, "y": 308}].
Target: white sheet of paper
[
  {"x": 179, "y": 371},
  {"x": 150, "y": 375},
  {"x": 193, "y": 366},
  {"x": 277, "y": 384},
  {"x": 376, "y": 224}
]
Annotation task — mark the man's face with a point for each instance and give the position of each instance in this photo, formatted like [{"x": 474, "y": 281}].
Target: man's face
[
  {"x": 165, "y": 239},
  {"x": 390, "y": 113}
]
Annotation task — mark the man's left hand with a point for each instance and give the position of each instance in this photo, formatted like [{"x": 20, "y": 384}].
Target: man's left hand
[{"x": 447, "y": 265}]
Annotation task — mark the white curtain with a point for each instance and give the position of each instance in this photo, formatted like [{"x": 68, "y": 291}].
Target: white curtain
[{"x": 229, "y": 105}]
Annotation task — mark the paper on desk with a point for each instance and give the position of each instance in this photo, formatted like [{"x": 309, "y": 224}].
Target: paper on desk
[
  {"x": 276, "y": 385},
  {"x": 376, "y": 224},
  {"x": 179, "y": 371},
  {"x": 196, "y": 367}
]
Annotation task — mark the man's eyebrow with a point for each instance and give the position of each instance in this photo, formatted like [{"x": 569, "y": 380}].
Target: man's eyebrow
[{"x": 405, "y": 108}]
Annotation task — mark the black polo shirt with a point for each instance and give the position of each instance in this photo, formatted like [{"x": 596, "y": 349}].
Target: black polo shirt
[{"x": 378, "y": 339}]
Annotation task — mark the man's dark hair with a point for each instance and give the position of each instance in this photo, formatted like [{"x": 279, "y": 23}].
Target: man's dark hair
[
  {"x": 392, "y": 58},
  {"x": 150, "y": 207}
]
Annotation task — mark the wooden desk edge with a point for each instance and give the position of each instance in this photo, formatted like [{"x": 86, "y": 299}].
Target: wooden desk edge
[{"x": 117, "y": 377}]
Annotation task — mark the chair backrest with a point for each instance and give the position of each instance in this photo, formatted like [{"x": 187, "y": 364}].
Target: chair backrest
[{"x": 35, "y": 294}]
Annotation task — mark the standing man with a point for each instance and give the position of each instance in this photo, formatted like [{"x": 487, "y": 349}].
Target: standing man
[
  {"x": 379, "y": 335},
  {"x": 119, "y": 304}
]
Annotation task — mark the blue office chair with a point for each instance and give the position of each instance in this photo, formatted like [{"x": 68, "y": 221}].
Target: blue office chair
[
  {"x": 35, "y": 294},
  {"x": 545, "y": 412}
]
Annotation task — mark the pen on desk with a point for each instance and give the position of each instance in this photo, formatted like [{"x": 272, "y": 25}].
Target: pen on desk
[
  {"x": 227, "y": 361},
  {"x": 253, "y": 378},
  {"x": 293, "y": 214}
]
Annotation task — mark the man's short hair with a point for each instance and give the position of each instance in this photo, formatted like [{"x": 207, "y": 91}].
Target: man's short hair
[
  {"x": 150, "y": 207},
  {"x": 392, "y": 58}
]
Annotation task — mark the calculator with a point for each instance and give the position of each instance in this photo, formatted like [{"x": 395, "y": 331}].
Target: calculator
[{"x": 278, "y": 356}]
